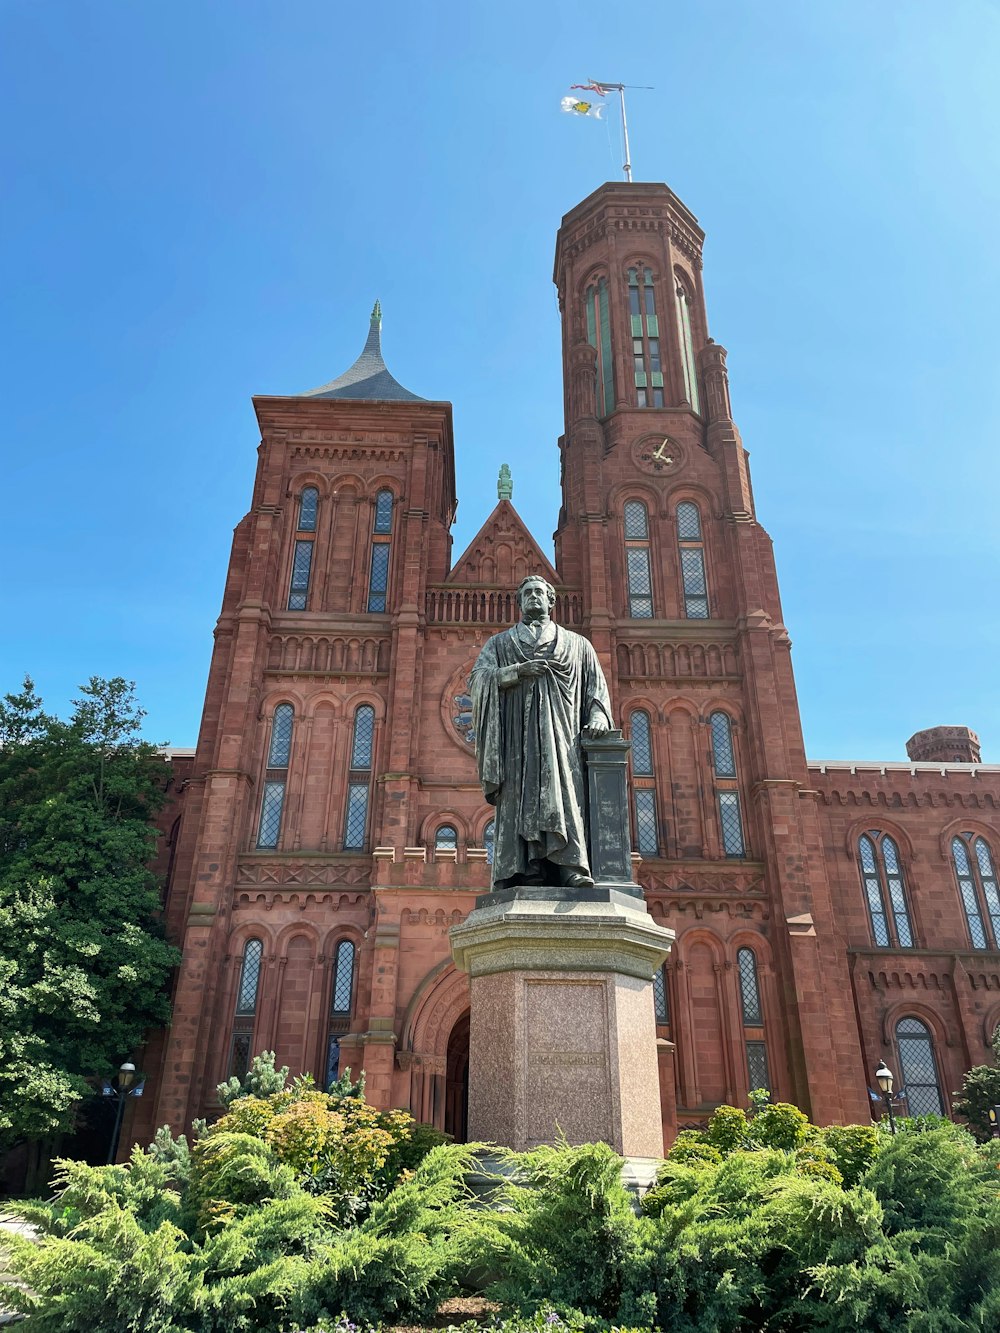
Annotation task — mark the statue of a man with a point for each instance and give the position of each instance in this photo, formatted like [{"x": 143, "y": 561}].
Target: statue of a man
[{"x": 536, "y": 688}]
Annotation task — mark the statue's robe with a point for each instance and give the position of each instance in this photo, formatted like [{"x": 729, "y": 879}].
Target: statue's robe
[{"x": 528, "y": 745}]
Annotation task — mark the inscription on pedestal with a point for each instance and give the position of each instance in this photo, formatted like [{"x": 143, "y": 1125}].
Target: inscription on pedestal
[{"x": 567, "y": 1061}]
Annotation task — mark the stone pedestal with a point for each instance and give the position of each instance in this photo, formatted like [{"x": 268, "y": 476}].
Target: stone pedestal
[{"x": 563, "y": 1036}]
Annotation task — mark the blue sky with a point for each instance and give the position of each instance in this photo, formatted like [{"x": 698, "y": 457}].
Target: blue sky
[{"x": 202, "y": 202}]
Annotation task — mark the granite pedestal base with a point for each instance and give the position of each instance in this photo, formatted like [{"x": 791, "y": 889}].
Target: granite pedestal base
[{"x": 563, "y": 1037}]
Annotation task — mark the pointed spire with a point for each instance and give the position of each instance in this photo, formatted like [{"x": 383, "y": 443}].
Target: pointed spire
[{"x": 369, "y": 378}]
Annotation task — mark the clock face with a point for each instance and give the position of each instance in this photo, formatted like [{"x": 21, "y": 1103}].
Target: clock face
[{"x": 658, "y": 454}]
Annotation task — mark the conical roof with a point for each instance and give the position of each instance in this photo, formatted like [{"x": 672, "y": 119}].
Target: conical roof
[{"x": 369, "y": 378}]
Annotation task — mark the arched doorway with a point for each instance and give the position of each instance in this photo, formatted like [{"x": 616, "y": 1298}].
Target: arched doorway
[{"x": 456, "y": 1102}]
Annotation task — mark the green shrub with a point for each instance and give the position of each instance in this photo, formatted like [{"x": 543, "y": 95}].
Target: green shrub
[
  {"x": 853, "y": 1149},
  {"x": 780, "y": 1125},
  {"x": 728, "y": 1129},
  {"x": 691, "y": 1146}
]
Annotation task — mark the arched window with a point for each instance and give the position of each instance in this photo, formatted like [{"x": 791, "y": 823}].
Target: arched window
[
  {"x": 308, "y": 509},
  {"x": 637, "y": 567},
  {"x": 727, "y": 793},
  {"x": 276, "y": 776},
  {"x": 691, "y": 548},
  {"x": 378, "y": 582},
  {"x": 489, "y": 834},
  {"x": 977, "y": 884},
  {"x": 298, "y": 592},
  {"x": 661, "y": 1003},
  {"x": 446, "y": 836},
  {"x": 686, "y": 339},
  {"x": 643, "y": 784},
  {"x": 646, "y": 362},
  {"x": 341, "y": 1005},
  {"x": 753, "y": 1019},
  {"x": 599, "y": 337},
  {"x": 246, "y": 1009},
  {"x": 918, "y": 1068},
  {"x": 882, "y": 878},
  {"x": 359, "y": 779}
]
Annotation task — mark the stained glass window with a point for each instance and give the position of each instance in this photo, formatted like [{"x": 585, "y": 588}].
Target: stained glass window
[
  {"x": 688, "y": 522},
  {"x": 446, "y": 836},
  {"x": 298, "y": 593},
  {"x": 642, "y": 744},
  {"x": 599, "y": 337},
  {"x": 640, "y": 598},
  {"x": 692, "y": 561},
  {"x": 973, "y": 862},
  {"x": 246, "y": 998},
  {"x": 757, "y": 1066},
  {"x": 885, "y": 893},
  {"x": 363, "y": 737},
  {"x": 723, "y": 760},
  {"x": 636, "y": 520},
  {"x": 731, "y": 824},
  {"x": 749, "y": 989},
  {"x": 308, "y": 508},
  {"x": 281, "y": 737},
  {"x": 355, "y": 825},
  {"x": 270, "y": 814},
  {"x": 645, "y": 821},
  {"x": 661, "y": 1005},
  {"x": 343, "y": 978},
  {"x": 378, "y": 584},
  {"x": 918, "y": 1068},
  {"x": 383, "y": 512}
]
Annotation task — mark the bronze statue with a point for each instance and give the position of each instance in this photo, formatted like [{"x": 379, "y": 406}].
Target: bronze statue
[{"x": 536, "y": 689}]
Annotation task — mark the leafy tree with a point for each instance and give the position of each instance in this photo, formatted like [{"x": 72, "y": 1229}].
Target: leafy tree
[
  {"x": 980, "y": 1091},
  {"x": 83, "y": 962}
]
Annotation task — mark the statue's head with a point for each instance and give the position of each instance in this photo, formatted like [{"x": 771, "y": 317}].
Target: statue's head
[{"x": 535, "y": 594}]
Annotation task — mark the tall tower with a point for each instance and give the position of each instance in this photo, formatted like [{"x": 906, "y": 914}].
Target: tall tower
[{"x": 658, "y": 532}]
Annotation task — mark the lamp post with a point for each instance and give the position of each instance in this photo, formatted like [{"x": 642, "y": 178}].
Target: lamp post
[
  {"x": 126, "y": 1075},
  {"x": 883, "y": 1076},
  {"x": 994, "y": 1115}
]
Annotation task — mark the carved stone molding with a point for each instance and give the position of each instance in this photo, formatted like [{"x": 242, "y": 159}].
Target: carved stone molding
[{"x": 305, "y": 871}]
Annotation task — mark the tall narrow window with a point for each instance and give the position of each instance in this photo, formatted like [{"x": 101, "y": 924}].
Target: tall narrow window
[
  {"x": 727, "y": 793},
  {"x": 341, "y": 1004},
  {"x": 643, "y": 785},
  {"x": 882, "y": 878},
  {"x": 378, "y": 582},
  {"x": 647, "y": 365},
  {"x": 692, "y": 561},
  {"x": 359, "y": 779},
  {"x": 977, "y": 883},
  {"x": 246, "y": 1009},
  {"x": 753, "y": 1019},
  {"x": 918, "y": 1068},
  {"x": 276, "y": 777},
  {"x": 599, "y": 337},
  {"x": 661, "y": 1004},
  {"x": 637, "y": 567},
  {"x": 446, "y": 836},
  {"x": 308, "y": 509},
  {"x": 298, "y": 592},
  {"x": 489, "y": 836},
  {"x": 687, "y": 347}
]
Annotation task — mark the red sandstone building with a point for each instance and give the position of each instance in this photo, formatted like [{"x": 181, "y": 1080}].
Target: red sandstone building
[{"x": 329, "y": 827}]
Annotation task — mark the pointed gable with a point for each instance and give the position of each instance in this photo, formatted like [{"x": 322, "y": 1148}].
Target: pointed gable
[{"x": 502, "y": 553}]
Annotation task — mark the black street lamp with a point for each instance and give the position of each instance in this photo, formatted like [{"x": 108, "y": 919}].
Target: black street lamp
[
  {"x": 126, "y": 1077},
  {"x": 883, "y": 1076}
]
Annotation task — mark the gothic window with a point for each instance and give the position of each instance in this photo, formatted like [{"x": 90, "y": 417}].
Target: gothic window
[
  {"x": 692, "y": 561},
  {"x": 359, "y": 779},
  {"x": 661, "y": 1003},
  {"x": 275, "y": 776},
  {"x": 882, "y": 878},
  {"x": 378, "y": 581},
  {"x": 977, "y": 884},
  {"x": 308, "y": 508},
  {"x": 643, "y": 786},
  {"x": 726, "y": 789},
  {"x": 599, "y": 337},
  {"x": 246, "y": 1009},
  {"x": 298, "y": 592},
  {"x": 687, "y": 347},
  {"x": 341, "y": 1004},
  {"x": 647, "y": 365},
  {"x": 918, "y": 1068},
  {"x": 446, "y": 836},
  {"x": 637, "y": 565},
  {"x": 753, "y": 1019},
  {"x": 489, "y": 837}
]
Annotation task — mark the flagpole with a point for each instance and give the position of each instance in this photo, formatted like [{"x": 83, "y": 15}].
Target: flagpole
[{"x": 619, "y": 88}]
